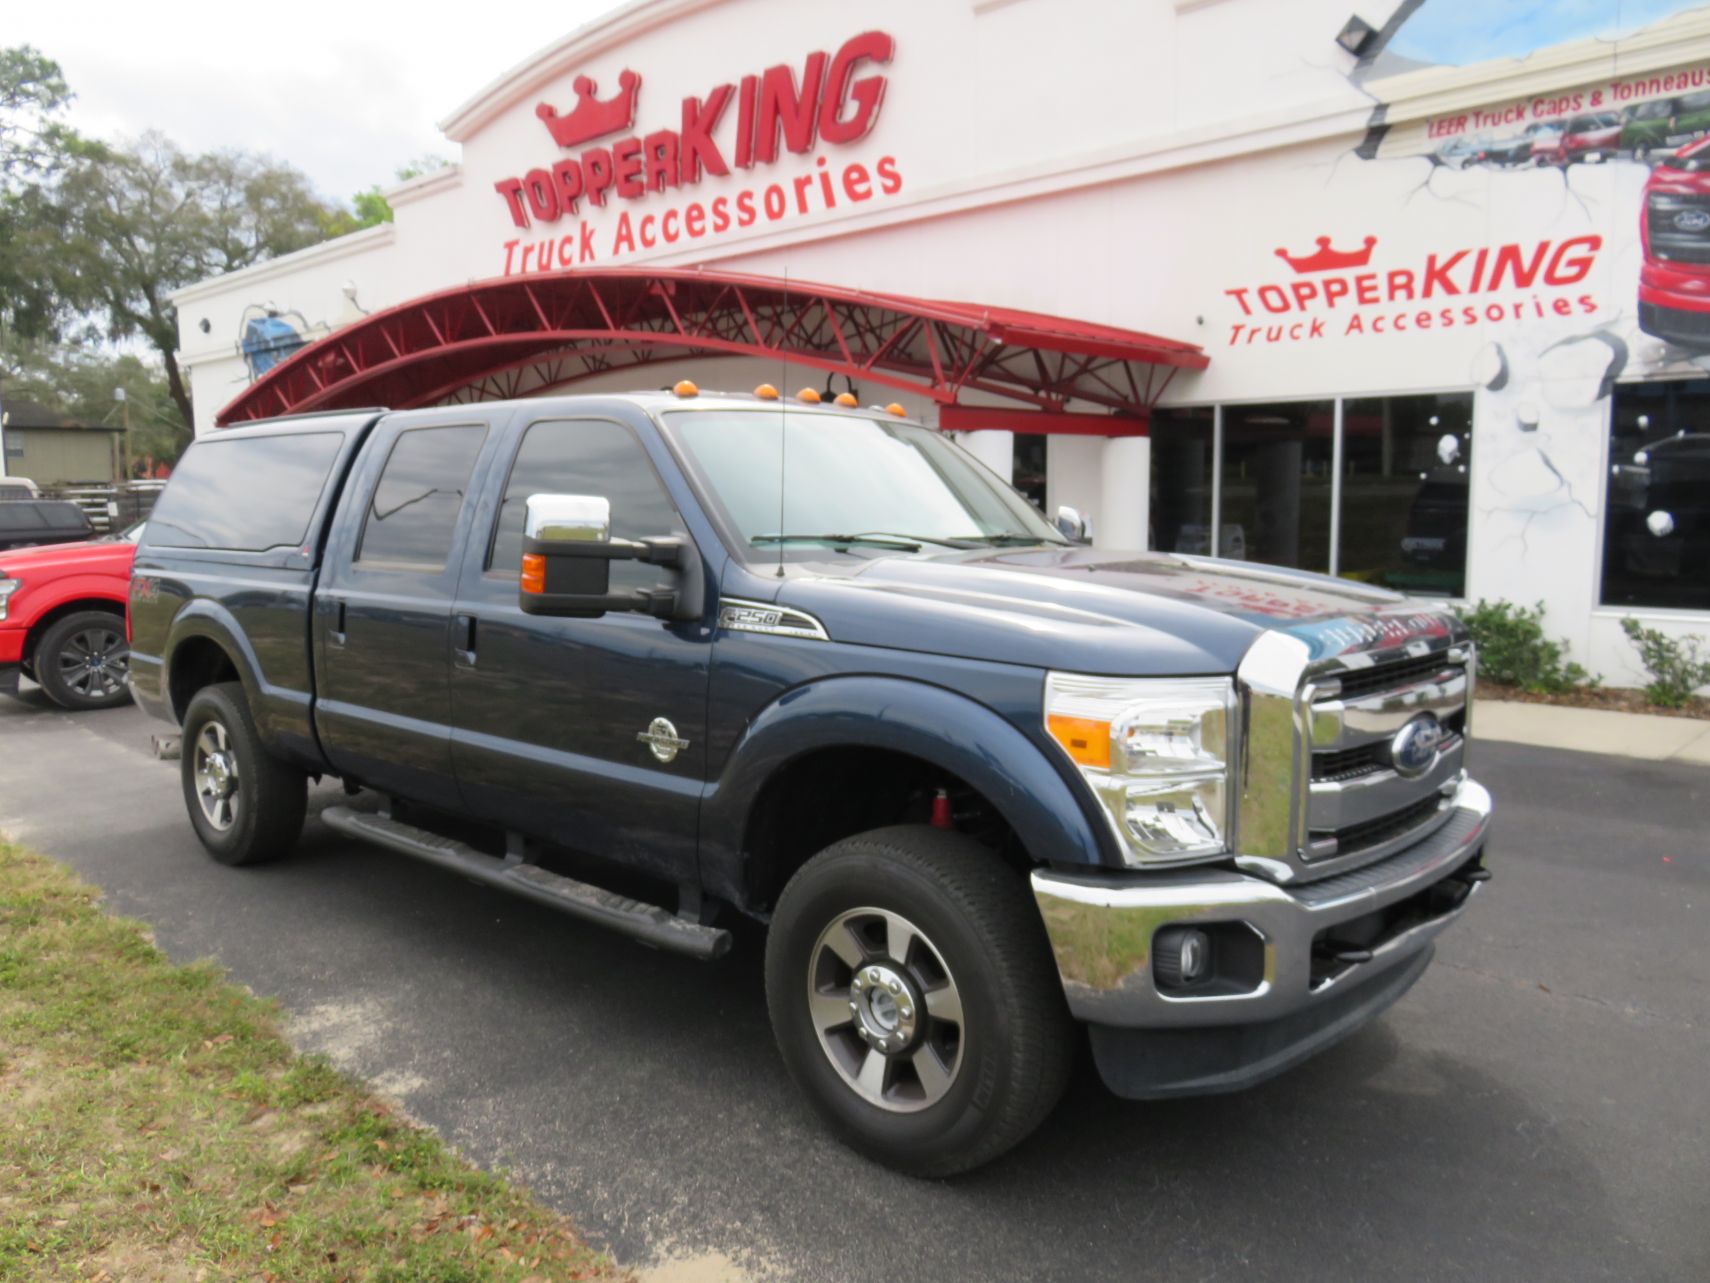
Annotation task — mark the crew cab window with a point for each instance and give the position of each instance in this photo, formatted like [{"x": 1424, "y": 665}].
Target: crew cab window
[
  {"x": 591, "y": 457},
  {"x": 245, "y": 494},
  {"x": 412, "y": 515}
]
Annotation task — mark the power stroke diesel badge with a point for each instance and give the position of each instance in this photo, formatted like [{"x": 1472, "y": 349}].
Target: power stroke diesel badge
[{"x": 661, "y": 737}]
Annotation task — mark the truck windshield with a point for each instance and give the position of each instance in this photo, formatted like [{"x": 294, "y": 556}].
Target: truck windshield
[{"x": 865, "y": 487}]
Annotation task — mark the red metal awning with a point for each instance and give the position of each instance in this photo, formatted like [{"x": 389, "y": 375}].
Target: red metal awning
[{"x": 524, "y": 336}]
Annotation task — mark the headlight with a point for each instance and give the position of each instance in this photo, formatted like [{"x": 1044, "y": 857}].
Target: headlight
[
  {"x": 7, "y": 588},
  {"x": 1155, "y": 752}
]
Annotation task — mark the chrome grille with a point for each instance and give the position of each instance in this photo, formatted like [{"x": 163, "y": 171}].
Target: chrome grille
[{"x": 1359, "y": 804}]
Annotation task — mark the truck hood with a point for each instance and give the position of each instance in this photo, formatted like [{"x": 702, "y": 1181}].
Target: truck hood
[
  {"x": 84, "y": 558},
  {"x": 1096, "y": 611}
]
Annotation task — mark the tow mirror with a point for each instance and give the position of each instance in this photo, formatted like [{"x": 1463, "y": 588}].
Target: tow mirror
[
  {"x": 1071, "y": 525},
  {"x": 567, "y": 555}
]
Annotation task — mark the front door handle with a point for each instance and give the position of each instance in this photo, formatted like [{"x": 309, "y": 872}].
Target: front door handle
[
  {"x": 336, "y": 636},
  {"x": 463, "y": 647}
]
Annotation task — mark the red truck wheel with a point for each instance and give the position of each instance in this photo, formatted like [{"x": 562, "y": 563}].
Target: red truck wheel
[{"x": 83, "y": 661}]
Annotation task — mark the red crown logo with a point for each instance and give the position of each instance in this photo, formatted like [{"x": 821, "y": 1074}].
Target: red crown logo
[
  {"x": 1330, "y": 260},
  {"x": 592, "y": 118}
]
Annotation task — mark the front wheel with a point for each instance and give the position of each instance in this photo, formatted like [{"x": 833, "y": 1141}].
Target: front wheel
[
  {"x": 246, "y": 805},
  {"x": 915, "y": 999},
  {"x": 82, "y": 661}
]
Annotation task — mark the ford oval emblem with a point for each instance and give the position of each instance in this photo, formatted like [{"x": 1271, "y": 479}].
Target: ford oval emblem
[
  {"x": 1413, "y": 751},
  {"x": 1692, "y": 220}
]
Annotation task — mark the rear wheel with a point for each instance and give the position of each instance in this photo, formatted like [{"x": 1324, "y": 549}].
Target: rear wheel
[
  {"x": 83, "y": 660},
  {"x": 246, "y": 805},
  {"x": 915, "y": 999}
]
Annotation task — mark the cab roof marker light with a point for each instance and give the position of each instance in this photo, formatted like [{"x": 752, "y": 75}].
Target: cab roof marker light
[
  {"x": 846, "y": 399},
  {"x": 685, "y": 389},
  {"x": 895, "y": 407},
  {"x": 808, "y": 395},
  {"x": 766, "y": 392}
]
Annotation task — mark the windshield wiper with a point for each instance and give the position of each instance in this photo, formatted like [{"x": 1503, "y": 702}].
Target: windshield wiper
[
  {"x": 1012, "y": 540},
  {"x": 876, "y": 538}
]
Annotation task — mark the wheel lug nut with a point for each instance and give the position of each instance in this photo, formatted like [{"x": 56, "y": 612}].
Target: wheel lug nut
[
  {"x": 894, "y": 987},
  {"x": 906, "y": 1013},
  {"x": 853, "y": 1005}
]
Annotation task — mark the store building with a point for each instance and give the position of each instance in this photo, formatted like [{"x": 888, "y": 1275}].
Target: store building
[{"x": 1419, "y": 296}]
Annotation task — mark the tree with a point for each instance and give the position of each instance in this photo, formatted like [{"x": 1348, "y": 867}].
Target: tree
[
  {"x": 146, "y": 218},
  {"x": 370, "y": 208},
  {"x": 33, "y": 142}
]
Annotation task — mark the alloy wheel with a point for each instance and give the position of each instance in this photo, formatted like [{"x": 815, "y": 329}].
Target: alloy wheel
[
  {"x": 95, "y": 662},
  {"x": 216, "y": 773},
  {"x": 887, "y": 1009}
]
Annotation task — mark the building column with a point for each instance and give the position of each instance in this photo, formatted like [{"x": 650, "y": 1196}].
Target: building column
[
  {"x": 1125, "y": 497},
  {"x": 1072, "y": 464},
  {"x": 993, "y": 447}
]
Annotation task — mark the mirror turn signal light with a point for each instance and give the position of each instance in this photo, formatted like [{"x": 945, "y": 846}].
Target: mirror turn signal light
[
  {"x": 533, "y": 573},
  {"x": 766, "y": 392},
  {"x": 895, "y": 407},
  {"x": 846, "y": 398},
  {"x": 1086, "y": 739},
  {"x": 686, "y": 389},
  {"x": 808, "y": 395}
]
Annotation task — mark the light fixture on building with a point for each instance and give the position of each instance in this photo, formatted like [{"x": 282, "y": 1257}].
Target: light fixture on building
[{"x": 1356, "y": 35}]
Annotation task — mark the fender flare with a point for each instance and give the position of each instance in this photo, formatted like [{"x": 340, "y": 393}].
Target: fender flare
[
  {"x": 207, "y": 619},
  {"x": 937, "y": 725},
  {"x": 94, "y": 589}
]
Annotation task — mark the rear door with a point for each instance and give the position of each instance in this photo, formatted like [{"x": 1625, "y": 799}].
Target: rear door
[
  {"x": 547, "y": 712},
  {"x": 383, "y": 608}
]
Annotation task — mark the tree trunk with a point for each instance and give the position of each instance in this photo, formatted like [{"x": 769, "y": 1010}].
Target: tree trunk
[{"x": 175, "y": 385}]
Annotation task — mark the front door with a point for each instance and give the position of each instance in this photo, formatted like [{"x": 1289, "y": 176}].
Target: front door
[
  {"x": 547, "y": 713},
  {"x": 383, "y": 606}
]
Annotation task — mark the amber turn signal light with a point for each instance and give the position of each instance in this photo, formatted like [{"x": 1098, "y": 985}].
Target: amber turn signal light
[
  {"x": 533, "y": 573},
  {"x": 1086, "y": 739},
  {"x": 766, "y": 392},
  {"x": 685, "y": 388}
]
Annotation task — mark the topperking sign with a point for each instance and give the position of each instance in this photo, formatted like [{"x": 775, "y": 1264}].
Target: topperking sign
[{"x": 596, "y": 162}]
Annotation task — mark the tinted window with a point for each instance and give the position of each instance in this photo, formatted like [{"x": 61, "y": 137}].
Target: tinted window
[
  {"x": 589, "y": 457},
  {"x": 412, "y": 515},
  {"x": 247, "y": 494},
  {"x": 1695, "y": 102},
  {"x": 1656, "y": 528}
]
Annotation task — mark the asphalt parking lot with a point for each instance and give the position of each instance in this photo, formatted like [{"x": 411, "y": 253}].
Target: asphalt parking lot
[{"x": 1535, "y": 1108}]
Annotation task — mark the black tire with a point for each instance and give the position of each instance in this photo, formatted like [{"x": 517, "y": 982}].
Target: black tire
[
  {"x": 267, "y": 802},
  {"x": 83, "y": 661},
  {"x": 1008, "y": 1057}
]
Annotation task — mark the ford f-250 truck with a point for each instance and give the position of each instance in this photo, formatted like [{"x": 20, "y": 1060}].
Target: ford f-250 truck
[{"x": 665, "y": 659}]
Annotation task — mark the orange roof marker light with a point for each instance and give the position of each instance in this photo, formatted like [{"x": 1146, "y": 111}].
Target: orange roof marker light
[
  {"x": 686, "y": 389},
  {"x": 808, "y": 395},
  {"x": 895, "y": 407},
  {"x": 766, "y": 392},
  {"x": 846, "y": 398}
]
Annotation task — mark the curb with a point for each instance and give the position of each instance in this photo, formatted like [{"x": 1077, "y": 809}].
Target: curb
[{"x": 1646, "y": 736}]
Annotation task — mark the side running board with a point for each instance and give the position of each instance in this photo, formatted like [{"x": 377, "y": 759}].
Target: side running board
[{"x": 646, "y": 922}]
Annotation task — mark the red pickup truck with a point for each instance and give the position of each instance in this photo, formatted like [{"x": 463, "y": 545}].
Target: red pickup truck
[{"x": 62, "y": 620}]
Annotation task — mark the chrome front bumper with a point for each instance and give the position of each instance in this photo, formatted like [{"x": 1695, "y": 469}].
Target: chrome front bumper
[{"x": 1102, "y": 926}]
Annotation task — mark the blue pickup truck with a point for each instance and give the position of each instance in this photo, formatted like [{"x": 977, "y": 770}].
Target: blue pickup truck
[{"x": 669, "y": 661}]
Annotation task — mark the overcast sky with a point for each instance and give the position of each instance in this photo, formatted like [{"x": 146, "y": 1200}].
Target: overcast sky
[{"x": 345, "y": 92}]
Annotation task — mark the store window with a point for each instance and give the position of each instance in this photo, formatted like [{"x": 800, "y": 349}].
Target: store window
[
  {"x": 1276, "y": 483},
  {"x": 1405, "y": 481},
  {"x": 1182, "y": 446},
  {"x": 1656, "y": 534}
]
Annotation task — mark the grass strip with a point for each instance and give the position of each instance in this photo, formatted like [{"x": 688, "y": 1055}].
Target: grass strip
[{"x": 154, "y": 1125}]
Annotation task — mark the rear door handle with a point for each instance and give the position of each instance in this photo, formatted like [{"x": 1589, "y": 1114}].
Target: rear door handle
[
  {"x": 336, "y": 635},
  {"x": 463, "y": 649}
]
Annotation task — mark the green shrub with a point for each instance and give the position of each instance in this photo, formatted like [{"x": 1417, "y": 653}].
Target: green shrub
[
  {"x": 1677, "y": 665},
  {"x": 1513, "y": 650}
]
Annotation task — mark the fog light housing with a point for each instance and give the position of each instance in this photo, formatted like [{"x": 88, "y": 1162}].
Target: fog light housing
[{"x": 1181, "y": 957}]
